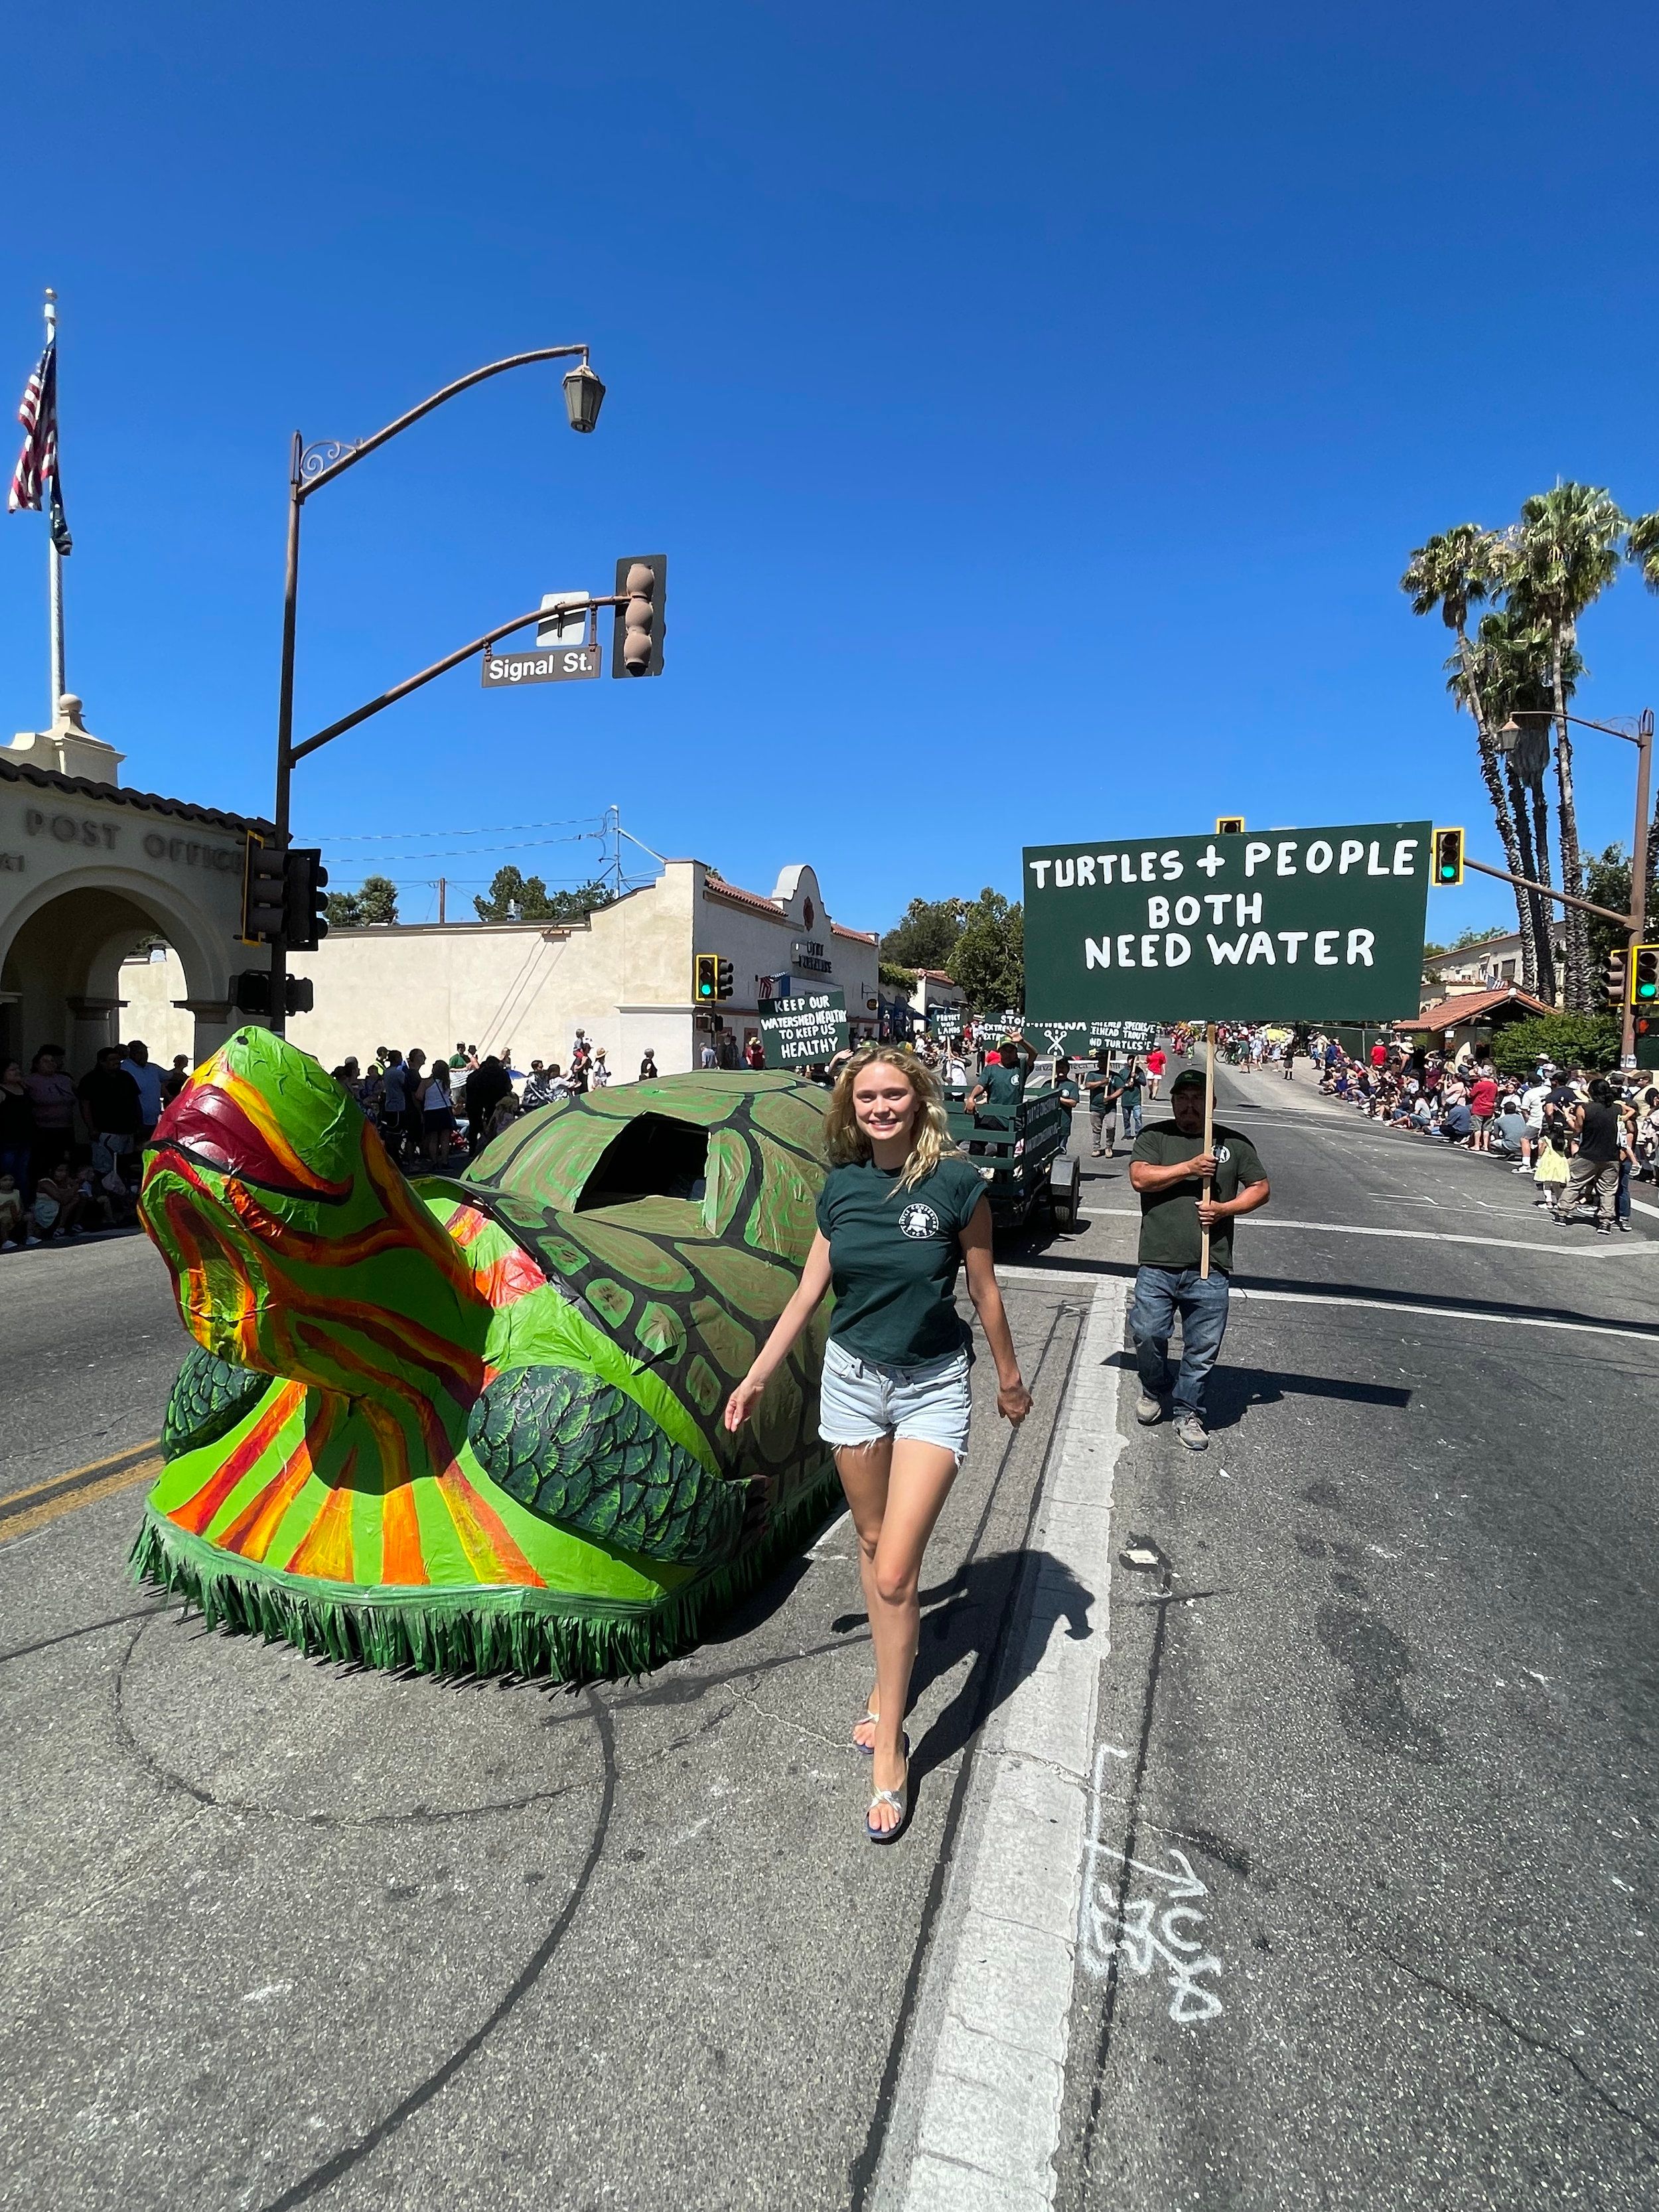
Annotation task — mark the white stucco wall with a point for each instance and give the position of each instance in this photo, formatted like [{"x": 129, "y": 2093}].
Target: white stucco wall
[{"x": 625, "y": 976}]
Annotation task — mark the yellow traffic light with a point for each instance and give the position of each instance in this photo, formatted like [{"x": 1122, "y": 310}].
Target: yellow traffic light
[
  {"x": 1230, "y": 825},
  {"x": 706, "y": 976},
  {"x": 1644, "y": 976},
  {"x": 1447, "y": 857}
]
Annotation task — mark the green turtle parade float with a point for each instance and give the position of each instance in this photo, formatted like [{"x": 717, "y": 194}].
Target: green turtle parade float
[{"x": 474, "y": 1424}]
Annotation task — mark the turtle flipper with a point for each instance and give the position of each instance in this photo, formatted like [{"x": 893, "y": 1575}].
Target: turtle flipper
[
  {"x": 575, "y": 1450},
  {"x": 208, "y": 1397}
]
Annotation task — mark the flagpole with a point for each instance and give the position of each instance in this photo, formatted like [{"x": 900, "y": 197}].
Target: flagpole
[{"x": 55, "y": 567}]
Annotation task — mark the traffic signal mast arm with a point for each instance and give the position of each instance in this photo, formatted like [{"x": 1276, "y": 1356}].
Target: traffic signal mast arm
[
  {"x": 1632, "y": 922},
  {"x": 439, "y": 668}
]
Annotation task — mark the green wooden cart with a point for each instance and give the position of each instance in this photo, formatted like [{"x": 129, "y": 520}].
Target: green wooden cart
[{"x": 1017, "y": 1151}]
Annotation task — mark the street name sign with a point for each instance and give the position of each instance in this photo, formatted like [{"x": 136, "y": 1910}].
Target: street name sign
[
  {"x": 559, "y": 656},
  {"x": 1295, "y": 924},
  {"x": 806, "y": 1027}
]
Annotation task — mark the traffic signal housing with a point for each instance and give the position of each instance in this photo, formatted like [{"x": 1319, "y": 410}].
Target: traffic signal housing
[
  {"x": 1644, "y": 977},
  {"x": 1230, "y": 825},
  {"x": 263, "y": 876},
  {"x": 251, "y": 993},
  {"x": 305, "y": 898},
  {"x": 642, "y": 614},
  {"x": 723, "y": 979},
  {"x": 1616, "y": 977},
  {"x": 1447, "y": 857},
  {"x": 706, "y": 978}
]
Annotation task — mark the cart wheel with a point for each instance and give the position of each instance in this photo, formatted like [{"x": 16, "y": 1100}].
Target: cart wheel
[{"x": 1064, "y": 1183}]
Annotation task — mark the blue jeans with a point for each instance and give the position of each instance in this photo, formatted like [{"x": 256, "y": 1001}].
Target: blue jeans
[{"x": 1161, "y": 1294}]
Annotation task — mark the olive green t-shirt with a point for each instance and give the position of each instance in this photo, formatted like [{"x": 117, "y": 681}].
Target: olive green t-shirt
[
  {"x": 1004, "y": 1086},
  {"x": 894, "y": 1256},
  {"x": 1170, "y": 1233}
]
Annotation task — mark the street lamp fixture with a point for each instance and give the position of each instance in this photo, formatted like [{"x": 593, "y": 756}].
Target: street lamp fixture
[{"x": 584, "y": 394}]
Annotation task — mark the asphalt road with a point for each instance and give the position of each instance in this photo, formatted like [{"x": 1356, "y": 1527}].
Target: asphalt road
[{"x": 1364, "y": 1782}]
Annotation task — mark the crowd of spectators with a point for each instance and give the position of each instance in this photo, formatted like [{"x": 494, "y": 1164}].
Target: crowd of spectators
[
  {"x": 70, "y": 1154},
  {"x": 1580, "y": 1134}
]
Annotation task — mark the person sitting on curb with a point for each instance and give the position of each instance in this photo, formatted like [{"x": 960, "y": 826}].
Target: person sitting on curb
[{"x": 1168, "y": 1168}]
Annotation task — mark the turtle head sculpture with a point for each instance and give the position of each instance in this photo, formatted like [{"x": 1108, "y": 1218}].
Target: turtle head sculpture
[{"x": 474, "y": 1424}]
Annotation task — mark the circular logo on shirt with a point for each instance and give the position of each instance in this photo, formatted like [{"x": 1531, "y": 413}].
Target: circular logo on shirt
[
  {"x": 918, "y": 1221},
  {"x": 1222, "y": 1153}
]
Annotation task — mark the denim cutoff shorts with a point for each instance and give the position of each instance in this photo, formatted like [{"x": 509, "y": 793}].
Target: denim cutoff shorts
[{"x": 861, "y": 1400}]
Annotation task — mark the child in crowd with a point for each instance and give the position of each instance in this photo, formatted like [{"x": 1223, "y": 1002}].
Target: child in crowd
[{"x": 11, "y": 1212}]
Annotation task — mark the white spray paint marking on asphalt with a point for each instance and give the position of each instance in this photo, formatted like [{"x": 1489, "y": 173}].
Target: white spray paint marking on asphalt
[
  {"x": 1159, "y": 1929},
  {"x": 1555, "y": 1251},
  {"x": 978, "y": 2105}
]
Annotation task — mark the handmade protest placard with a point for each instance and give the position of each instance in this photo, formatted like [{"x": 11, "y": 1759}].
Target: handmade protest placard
[
  {"x": 803, "y": 1029},
  {"x": 1295, "y": 924},
  {"x": 1082, "y": 1040}
]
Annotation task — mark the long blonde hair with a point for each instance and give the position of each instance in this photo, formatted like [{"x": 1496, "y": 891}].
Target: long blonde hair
[{"x": 930, "y": 1132}]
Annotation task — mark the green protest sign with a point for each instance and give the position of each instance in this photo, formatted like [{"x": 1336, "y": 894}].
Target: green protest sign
[
  {"x": 804, "y": 1029},
  {"x": 945, "y": 1022},
  {"x": 1296, "y": 925},
  {"x": 1082, "y": 1040}
]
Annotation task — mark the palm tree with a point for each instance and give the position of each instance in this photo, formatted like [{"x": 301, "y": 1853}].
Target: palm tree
[
  {"x": 1563, "y": 554},
  {"x": 1454, "y": 572},
  {"x": 1512, "y": 659},
  {"x": 1642, "y": 546}
]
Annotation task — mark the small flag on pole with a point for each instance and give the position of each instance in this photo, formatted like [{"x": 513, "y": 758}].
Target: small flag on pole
[{"x": 37, "y": 465}]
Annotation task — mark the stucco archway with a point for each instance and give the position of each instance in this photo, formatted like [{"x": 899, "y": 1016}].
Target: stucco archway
[{"x": 61, "y": 957}]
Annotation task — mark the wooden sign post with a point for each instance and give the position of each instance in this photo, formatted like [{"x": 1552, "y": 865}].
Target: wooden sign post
[{"x": 1209, "y": 1135}]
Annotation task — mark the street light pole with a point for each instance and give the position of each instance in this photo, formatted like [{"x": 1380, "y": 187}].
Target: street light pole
[
  {"x": 311, "y": 467},
  {"x": 1636, "y": 920}
]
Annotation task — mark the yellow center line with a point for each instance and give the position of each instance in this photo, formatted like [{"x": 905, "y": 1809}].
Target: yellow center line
[
  {"x": 83, "y": 1485},
  {"x": 24, "y": 1524}
]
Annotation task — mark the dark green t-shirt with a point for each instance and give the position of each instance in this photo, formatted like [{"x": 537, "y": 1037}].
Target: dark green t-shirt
[
  {"x": 1004, "y": 1086},
  {"x": 894, "y": 1256},
  {"x": 1170, "y": 1233}
]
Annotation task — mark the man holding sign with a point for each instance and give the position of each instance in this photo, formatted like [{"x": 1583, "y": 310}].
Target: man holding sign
[{"x": 1190, "y": 1182}]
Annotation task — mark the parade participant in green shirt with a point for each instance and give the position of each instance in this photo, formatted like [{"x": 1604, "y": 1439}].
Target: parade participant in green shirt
[
  {"x": 901, "y": 1211},
  {"x": 1169, "y": 1167},
  {"x": 1002, "y": 1088}
]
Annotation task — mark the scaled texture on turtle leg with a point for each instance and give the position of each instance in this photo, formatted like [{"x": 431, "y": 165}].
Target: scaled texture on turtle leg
[{"x": 474, "y": 1424}]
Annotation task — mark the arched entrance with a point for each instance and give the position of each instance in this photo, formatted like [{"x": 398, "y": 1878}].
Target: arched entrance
[{"x": 61, "y": 953}]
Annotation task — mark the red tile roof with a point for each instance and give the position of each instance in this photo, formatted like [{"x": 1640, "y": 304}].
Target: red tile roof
[
  {"x": 753, "y": 902},
  {"x": 1447, "y": 1014},
  {"x": 84, "y": 787}
]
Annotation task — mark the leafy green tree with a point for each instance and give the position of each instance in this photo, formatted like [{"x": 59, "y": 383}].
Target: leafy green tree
[
  {"x": 988, "y": 957},
  {"x": 1454, "y": 572},
  {"x": 1607, "y": 880},
  {"x": 896, "y": 978},
  {"x": 528, "y": 896},
  {"x": 925, "y": 934},
  {"x": 1588, "y": 1040},
  {"x": 1563, "y": 554},
  {"x": 374, "y": 902}
]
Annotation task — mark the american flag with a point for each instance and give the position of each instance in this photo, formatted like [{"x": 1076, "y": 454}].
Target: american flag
[{"x": 37, "y": 465}]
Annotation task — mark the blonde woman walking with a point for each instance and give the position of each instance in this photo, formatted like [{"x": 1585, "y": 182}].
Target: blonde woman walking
[{"x": 901, "y": 1213}]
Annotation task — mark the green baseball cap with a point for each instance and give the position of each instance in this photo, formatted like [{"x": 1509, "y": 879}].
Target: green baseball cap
[{"x": 1190, "y": 1078}]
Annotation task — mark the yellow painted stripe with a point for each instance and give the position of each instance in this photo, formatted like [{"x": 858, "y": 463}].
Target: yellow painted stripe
[
  {"x": 86, "y": 1492},
  {"x": 12, "y": 1500}
]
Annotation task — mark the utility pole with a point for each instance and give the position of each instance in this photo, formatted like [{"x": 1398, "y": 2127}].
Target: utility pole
[{"x": 442, "y": 881}]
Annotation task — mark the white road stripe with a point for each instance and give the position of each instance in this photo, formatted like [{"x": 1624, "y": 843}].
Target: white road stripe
[
  {"x": 976, "y": 2118},
  {"x": 1411, "y": 1312},
  {"x": 1426, "y": 1236}
]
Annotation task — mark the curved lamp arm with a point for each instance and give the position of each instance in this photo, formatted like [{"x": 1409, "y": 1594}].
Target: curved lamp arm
[{"x": 320, "y": 463}]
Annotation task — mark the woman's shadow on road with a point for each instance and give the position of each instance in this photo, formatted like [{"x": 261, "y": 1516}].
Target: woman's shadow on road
[{"x": 972, "y": 1617}]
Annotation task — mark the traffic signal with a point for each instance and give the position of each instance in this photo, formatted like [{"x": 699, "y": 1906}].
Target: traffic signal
[
  {"x": 305, "y": 898},
  {"x": 722, "y": 979},
  {"x": 263, "y": 877},
  {"x": 1230, "y": 825},
  {"x": 250, "y": 990},
  {"x": 705, "y": 977},
  {"x": 1616, "y": 977},
  {"x": 298, "y": 996},
  {"x": 1447, "y": 857},
  {"x": 1644, "y": 976},
  {"x": 642, "y": 594}
]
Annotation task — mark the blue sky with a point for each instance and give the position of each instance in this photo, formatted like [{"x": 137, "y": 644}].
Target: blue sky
[{"x": 1037, "y": 409}]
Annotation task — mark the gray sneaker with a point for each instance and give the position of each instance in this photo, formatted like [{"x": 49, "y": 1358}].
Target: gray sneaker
[
  {"x": 1190, "y": 1429},
  {"x": 1148, "y": 1410}
]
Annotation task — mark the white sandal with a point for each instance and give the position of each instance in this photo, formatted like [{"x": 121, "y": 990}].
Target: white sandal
[{"x": 899, "y": 1801}]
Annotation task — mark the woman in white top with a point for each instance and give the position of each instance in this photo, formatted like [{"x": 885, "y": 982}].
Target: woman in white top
[
  {"x": 438, "y": 1114},
  {"x": 599, "y": 1073}
]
